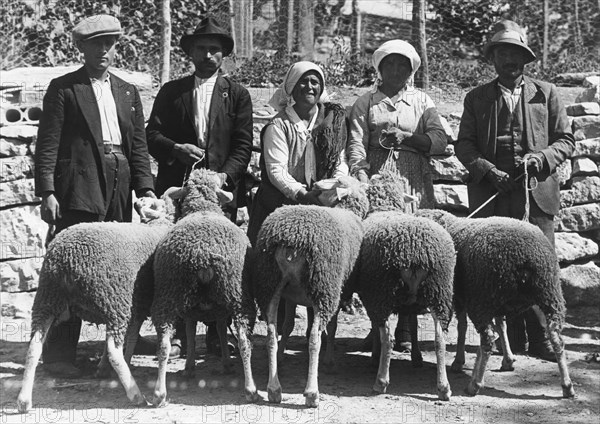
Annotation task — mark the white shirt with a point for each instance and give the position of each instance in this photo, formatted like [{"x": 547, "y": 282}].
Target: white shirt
[
  {"x": 511, "y": 97},
  {"x": 111, "y": 133},
  {"x": 203, "y": 91}
]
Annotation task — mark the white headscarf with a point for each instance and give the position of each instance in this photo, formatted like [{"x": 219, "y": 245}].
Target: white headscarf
[
  {"x": 283, "y": 95},
  {"x": 400, "y": 47}
]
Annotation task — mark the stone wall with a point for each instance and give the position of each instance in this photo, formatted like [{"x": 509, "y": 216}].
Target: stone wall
[{"x": 577, "y": 225}]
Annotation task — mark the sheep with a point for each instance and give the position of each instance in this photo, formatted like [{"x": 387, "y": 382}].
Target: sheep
[
  {"x": 103, "y": 272},
  {"x": 503, "y": 267},
  {"x": 306, "y": 254},
  {"x": 406, "y": 264},
  {"x": 200, "y": 274}
]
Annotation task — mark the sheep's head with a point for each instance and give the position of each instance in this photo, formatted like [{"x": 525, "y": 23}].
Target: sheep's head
[
  {"x": 201, "y": 193},
  {"x": 445, "y": 219},
  {"x": 344, "y": 192},
  {"x": 154, "y": 211},
  {"x": 386, "y": 191}
]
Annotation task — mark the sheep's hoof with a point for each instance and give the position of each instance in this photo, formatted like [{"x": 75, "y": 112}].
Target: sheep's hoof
[
  {"x": 472, "y": 389},
  {"x": 312, "y": 399},
  {"x": 159, "y": 400},
  {"x": 139, "y": 400},
  {"x": 444, "y": 393},
  {"x": 189, "y": 372},
  {"x": 568, "y": 391},
  {"x": 507, "y": 365},
  {"x": 380, "y": 386},
  {"x": 416, "y": 359},
  {"x": 24, "y": 404},
  {"x": 252, "y": 396},
  {"x": 457, "y": 366},
  {"x": 274, "y": 395}
]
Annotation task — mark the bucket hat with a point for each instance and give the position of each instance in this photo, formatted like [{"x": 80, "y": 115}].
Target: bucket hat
[
  {"x": 208, "y": 27},
  {"x": 508, "y": 32}
]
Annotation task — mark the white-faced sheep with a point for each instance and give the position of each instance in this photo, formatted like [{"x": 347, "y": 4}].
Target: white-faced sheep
[
  {"x": 306, "y": 254},
  {"x": 199, "y": 275},
  {"x": 103, "y": 273},
  {"x": 406, "y": 265},
  {"x": 503, "y": 267}
]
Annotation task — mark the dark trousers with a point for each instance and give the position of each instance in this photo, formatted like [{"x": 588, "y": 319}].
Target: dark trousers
[{"x": 61, "y": 342}]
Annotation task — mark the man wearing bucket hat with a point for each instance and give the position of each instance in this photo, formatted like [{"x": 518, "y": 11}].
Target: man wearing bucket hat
[
  {"x": 204, "y": 119},
  {"x": 511, "y": 125},
  {"x": 91, "y": 151}
]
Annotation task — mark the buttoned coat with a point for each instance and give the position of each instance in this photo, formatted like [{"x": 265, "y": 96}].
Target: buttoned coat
[
  {"x": 69, "y": 156},
  {"x": 547, "y": 130},
  {"x": 229, "y": 136}
]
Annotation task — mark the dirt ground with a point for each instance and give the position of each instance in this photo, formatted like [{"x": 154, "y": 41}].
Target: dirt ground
[{"x": 530, "y": 394}]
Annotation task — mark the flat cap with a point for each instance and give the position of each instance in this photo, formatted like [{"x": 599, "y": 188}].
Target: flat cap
[{"x": 96, "y": 26}]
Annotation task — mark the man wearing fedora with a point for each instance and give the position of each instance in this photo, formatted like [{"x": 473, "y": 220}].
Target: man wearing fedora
[
  {"x": 508, "y": 125},
  {"x": 204, "y": 119},
  {"x": 91, "y": 152}
]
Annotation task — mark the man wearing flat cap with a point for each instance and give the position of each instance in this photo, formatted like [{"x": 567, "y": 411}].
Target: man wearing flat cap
[
  {"x": 511, "y": 125},
  {"x": 91, "y": 152},
  {"x": 202, "y": 120}
]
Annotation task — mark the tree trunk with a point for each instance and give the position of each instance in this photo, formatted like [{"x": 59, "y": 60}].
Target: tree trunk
[
  {"x": 419, "y": 41},
  {"x": 242, "y": 27},
  {"x": 290, "y": 26},
  {"x": 545, "y": 41},
  {"x": 306, "y": 29},
  {"x": 165, "y": 47}
]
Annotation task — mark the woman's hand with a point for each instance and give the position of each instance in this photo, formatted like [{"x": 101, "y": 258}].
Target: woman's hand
[
  {"x": 309, "y": 197},
  {"x": 394, "y": 137}
]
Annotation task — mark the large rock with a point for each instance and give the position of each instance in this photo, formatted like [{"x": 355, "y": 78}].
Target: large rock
[
  {"x": 451, "y": 197},
  {"x": 583, "y": 190},
  {"x": 584, "y": 166},
  {"x": 589, "y": 148},
  {"x": 21, "y": 132},
  {"x": 580, "y": 109},
  {"x": 571, "y": 247},
  {"x": 577, "y": 78},
  {"x": 10, "y": 147},
  {"x": 20, "y": 274},
  {"x": 581, "y": 284},
  {"x": 17, "y": 192},
  {"x": 564, "y": 171},
  {"x": 17, "y": 305},
  {"x": 448, "y": 168},
  {"x": 15, "y": 168},
  {"x": 591, "y": 81},
  {"x": 578, "y": 218},
  {"x": 585, "y": 127},
  {"x": 591, "y": 94},
  {"x": 23, "y": 233}
]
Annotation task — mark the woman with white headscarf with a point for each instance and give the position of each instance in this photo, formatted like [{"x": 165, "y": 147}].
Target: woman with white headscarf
[
  {"x": 396, "y": 116},
  {"x": 304, "y": 143}
]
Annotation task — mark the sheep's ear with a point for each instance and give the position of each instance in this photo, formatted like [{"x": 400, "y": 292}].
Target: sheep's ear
[
  {"x": 174, "y": 193},
  {"x": 224, "y": 196},
  {"x": 409, "y": 198}
]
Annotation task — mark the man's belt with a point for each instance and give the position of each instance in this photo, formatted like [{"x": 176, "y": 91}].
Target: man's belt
[{"x": 112, "y": 148}]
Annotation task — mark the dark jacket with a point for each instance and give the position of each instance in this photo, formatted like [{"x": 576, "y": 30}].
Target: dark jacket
[
  {"x": 229, "y": 138},
  {"x": 69, "y": 156},
  {"x": 547, "y": 130}
]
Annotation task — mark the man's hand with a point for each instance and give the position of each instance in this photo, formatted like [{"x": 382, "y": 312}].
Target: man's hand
[
  {"x": 534, "y": 163},
  {"x": 362, "y": 177},
  {"x": 394, "y": 137},
  {"x": 50, "y": 208},
  {"x": 188, "y": 154},
  {"x": 502, "y": 182},
  {"x": 309, "y": 197},
  {"x": 148, "y": 193}
]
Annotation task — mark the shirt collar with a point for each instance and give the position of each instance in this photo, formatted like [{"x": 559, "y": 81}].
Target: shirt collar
[
  {"x": 98, "y": 80},
  {"x": 402, "y": 95},
  {"x": 199, "y": 81},
  {"x": 297, "y": 122},
  {"x": 508, "y": 90}
]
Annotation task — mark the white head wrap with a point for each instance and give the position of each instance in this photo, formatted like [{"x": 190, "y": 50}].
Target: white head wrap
[
  {"x": 400, "y": 47},
  {"x": 283, "y": 95}
]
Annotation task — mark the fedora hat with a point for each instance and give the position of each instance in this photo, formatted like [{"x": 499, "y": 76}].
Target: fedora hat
[
  {"x": 508, "y": 32},
  {"x": 208, "y": 27}
]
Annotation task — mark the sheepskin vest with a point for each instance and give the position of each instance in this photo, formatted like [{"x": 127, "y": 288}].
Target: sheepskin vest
[{"x": 510, "y": 138}]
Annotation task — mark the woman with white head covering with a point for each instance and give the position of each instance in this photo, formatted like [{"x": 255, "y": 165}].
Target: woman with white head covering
[
  {"x": 396, "y": 116},
  {"x": 304, "y": 143}
]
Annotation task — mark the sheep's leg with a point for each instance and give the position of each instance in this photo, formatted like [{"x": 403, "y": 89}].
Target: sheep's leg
[
  {"x": 164, "y": 347},
  {"x": 558, "y": 345},
  {"x": 415, "y": 353},
  {"x": 225, "y": 354},
  {"x": 117, "y": 360},
  {"x": 483, "y": 355},
  {"x": 273, "y": 386},
  {"x": 386, "y": 335},
  {"x": 329, "y": 357},
  {"x": 245, "y": 346},
  {"x": 288, "y": 327},
  {"x": 459, "y": 359},
  {"x": 508, "y": 359},
  {"x": 190, "y": 361},
  {"x": 103, "y": 370},
  {"x": 34, "y": 352},
  {"x": 131, "y": 338},
  {"x": 311, "y": 392},
  {"x": 376, "y": 348},
  {"x": 443, "y": 386}
]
